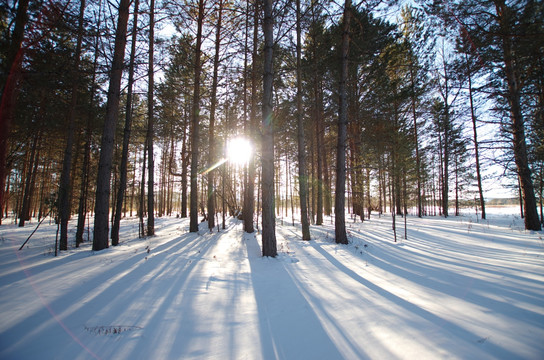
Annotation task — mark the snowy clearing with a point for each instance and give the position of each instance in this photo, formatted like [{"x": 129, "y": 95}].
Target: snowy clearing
[{"x": 456, "y": 289}]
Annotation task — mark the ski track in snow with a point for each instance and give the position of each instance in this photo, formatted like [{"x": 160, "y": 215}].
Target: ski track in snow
[{"x": 455, "y": 289}]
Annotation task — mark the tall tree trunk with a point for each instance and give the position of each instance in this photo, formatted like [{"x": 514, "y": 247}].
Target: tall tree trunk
[
  {"x": 84, "y": 190},
  {"x": 65, "y": 178},
  {"x": 211, "y": 149},
  {"x": 456, "y": 184},
  {"x": 249, "y": 199},
  {"x": 126, "y": 133},
  {"x": 446, "y": 152},
  {"x": 150, "y": 125},
  {"x": 504, "y": 14},
  {"x": 320, "y": 154},
  {"x": 416, "y": 142},
  {"x": 101, "y": 225},
  {"x": 269, "y": 225},
  {"x": 14, "y": 61},
  {"x": 302, "y": 173},
  {"x": 541, "y": 182},
  {"x": 45, "y": 175},
  {"x": 475, "y": 138},
  {"x": 339, "y": 203},
  {"x": 25, "y": 208},
  {"x": 141, "y": 209},
  {"x": 184, "y": 165},
  {"x": 327, "y": 196},
  {"x": 193, "y": 223}
]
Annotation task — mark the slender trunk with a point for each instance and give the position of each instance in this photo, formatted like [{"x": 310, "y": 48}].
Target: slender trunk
[
  {"x": 133, "y": 185},
  {"x": 249, "y": 200},
  {"x": 541, "y": 192},
  {"x": 320, "y": 153},
  {"x": 211, "y": 149},
  {"x": 102, "y": 206},
  {"x": 184, "y": 165},
  {"x": 193, "y": 224},
  {"x": 441, "y": 175},
  {"x": 14, "y": 61},
  {"x": 504, "y": 14},
  {"x": 25, "y": 209},
  {"x": 126, "y": 134},
  {"x": 65, "y": 178},
  {"x": 416, "y": 142},
  {"x": 446, "y": 152},
  {"x": 339, "y": 203},
  {"x": 327, "y": 196},
  {"x": 4, "y": 208},
  {"x": 141, "y": 210},
  {"x": 45, "y": 173},
  {"x": 405, "y": 196},
  {"x": 286, "y": 182},
  {"x": 267, "y": 181},
  {"x": 31, "y": 197},
  {"x": 520, "y": 197},
  {"x": 456, "y": 186},
  {"x": 150, "y": 125},
  {"x": 84, "y": 190},
  {"x": 475, "y": 134},
  {"x": 303, "y": 179}
]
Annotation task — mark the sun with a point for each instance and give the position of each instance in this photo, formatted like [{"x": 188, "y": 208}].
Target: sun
[{"x": 239, "y": 150}]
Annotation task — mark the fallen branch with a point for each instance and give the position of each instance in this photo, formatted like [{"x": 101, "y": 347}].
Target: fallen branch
[{"x": 35, "y": 230}]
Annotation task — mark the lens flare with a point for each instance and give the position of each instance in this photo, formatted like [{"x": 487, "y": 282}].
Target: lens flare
[{"x": 239, "y": 151}]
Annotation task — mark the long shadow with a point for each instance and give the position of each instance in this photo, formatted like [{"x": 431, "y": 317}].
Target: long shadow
[
  {"x": 413, "y": 270},
  {"x": 38, "y": 262},
  {"x": 288, "y": 327},
  {"x": 205, "y": 316},
  {"x": 454, "y": 329},
  {"x": 180, "y": 276},
  {"x": 477, "y": 261},
  {"x": 124, "y": 275}
]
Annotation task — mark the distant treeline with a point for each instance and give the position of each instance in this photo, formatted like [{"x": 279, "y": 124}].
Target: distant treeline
[{"x": 500, "y": 202}]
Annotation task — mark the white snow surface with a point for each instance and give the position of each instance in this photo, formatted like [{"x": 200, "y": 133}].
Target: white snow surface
[{"x": 454, "y": 289}]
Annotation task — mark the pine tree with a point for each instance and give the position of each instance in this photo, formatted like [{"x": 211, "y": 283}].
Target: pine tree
[
  {"x": 269, "y": 224},
  {"x": 193, "y": 225},
  {"x": 303, "y": 179},
  {"x": 101, "y": 226},
  {"x": 339, "y": 203}
]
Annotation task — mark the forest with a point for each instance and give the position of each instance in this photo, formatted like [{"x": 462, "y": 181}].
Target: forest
[{"x": 266, "y": 111}]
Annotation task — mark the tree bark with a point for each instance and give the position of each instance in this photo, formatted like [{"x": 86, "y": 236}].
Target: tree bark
[
  {"x": 475, "y": 138},
  {"x": 14, "y": 61},
  {"x": 193, "y": 222},
  {"x": 27, "y": 195},
  {"x": 504, "y": 14},
  {"x": 320, "y": 153},
  {"x": 101, "y": 226},
  {"x": 84, "y": 190},
  {"x": 184, "y": 165},
  {"x": 65, "y": 178},
  {"x": 446, "y": 153},
  {"x": 302, "y": 173},
  {"x": 126, "y": 134},
  {"x": 141, "y": 210},
  {"x": 211, "y": 149},
  {"x": 339, "y": 203},
  {"x": 416, "y": 139},
  {"x": 150, "y": 125},
  {"x": 249, "y": 199},
  {"x": 269, "y": 230}
]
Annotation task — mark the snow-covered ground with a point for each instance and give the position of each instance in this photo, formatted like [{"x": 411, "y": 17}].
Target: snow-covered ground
[{"x": 456, "y": 289}]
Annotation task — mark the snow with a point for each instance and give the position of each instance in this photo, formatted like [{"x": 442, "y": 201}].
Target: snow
[{"x": 456, "y": 288}]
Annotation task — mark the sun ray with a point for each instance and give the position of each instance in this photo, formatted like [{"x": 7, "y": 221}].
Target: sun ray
[{"x": 217, "y": 164}]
